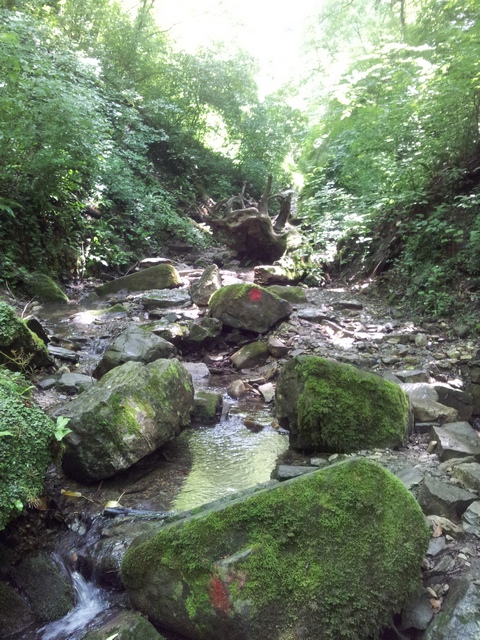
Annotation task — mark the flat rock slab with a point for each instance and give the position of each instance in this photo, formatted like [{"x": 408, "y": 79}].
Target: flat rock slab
[
  {"x": 62, "y": 354},
  {"x": 410, "y": 476},
  {"x": 314, "y": 314},
  {"x": 456, "y": 440},
  {"x": 456, "y": 398},
  {"x": 287, "y": 471},
  {"x": 162, "y": 276},
  {"x": 166, "y": 299},
  {"x": 348, "y": 304},
  {"x": 74, "y": 382},
  {"x": 415, "y": 375},
  {"x": 443, "y": 499},
  {"x": 471, "y": 519}
]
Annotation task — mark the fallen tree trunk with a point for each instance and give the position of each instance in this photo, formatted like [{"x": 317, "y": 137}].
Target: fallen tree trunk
[{"x": 249, "y": 229}]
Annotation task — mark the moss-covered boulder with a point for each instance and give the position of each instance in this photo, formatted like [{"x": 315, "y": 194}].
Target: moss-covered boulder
[
  {"x": 295, "y": 295},
  {"x": 15, "y": 614},
  {"x": 126, "y": 625},
  {"x": 26, "y": 436},
  {"x": 254, "y": 354},
  {"x": 208, "y": 406},
  {"x": 134, "y": 344},
  {"x": 43, "y": 289},
  {"x": 163, "y": 276},
  {"x": 20, "y": 348},
  {"x": 329, "y": 555},
  {"x": 331, "y": 406},
  {"x": 129, "y": 413},
  {"x": 31, "y": 576},
  {"x": 248, "y": 306}
]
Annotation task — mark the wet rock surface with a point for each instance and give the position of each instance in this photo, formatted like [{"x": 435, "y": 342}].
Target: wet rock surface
[{"x": 351, "y": 326}]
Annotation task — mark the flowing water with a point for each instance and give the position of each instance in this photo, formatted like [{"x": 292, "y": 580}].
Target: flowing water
[{"x": 222, "y": 459}]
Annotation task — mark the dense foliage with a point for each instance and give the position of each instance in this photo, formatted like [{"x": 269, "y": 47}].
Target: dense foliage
[
  {"x": 105, "y": 134},
  {"x": 394, "y": 154}
]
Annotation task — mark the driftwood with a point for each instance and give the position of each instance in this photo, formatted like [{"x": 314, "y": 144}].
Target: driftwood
[{"x": 247, "y": 227}]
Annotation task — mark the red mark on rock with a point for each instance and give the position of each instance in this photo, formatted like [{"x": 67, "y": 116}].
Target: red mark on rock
[
  {"x": 255, "y": 295},
  {"x": 218, "y": 592}
]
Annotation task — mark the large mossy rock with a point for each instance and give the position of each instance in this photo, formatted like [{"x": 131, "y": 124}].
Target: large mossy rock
[
  {"x": 329, "y": 555},
  {"x": 248, "y": 306},
  {"x": 134, "y": 344},
  {"x": 20, "y": 348},
  {"x": 129, "y": 413},
  {"x": 43, "y": 289},
  {"x": 163, "y": 276},
  {"x": 26, "y": 436},
  {"x": 331, "y": 406}
]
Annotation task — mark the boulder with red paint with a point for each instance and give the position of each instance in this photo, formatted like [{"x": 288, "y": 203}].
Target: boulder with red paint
[{"x": 248, "y": 306}]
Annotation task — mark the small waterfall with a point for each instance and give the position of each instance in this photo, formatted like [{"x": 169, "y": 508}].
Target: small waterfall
[{"x": 91, "y": 600}]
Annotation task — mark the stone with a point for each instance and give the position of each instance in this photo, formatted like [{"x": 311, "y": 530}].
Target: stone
[
  {"x": 166, "y": 299},
  {"x": 32, "y": 575},
  {"x": 295, "y": 556},
  {"x": 447, "y": 526},
  {"x": 348, "y": 304},
  {"x": 203, "y": 330},
  {"x": 74, "y": 382},
  {"x": 441, "y": 498},
  {"x": 417, "y": 614},
  {"x": 46, "y": 384},
  {"x": 436, "y": 546},
  {"x": 314, "y": 314},
  {"x": 330, "y": 406},
  {"x": 469, "y": 474},
  {"x": 268, "y": 391},
  {"x": 413, "y": 375},
  {"x": 287, "y": 471},
  {"x": 471, "y": 519},
  {"x": 294, "y": 295},
  {"x": 410, "y": 476},
  {"x": 270, "y": 274},
  {"x": 461, "y": 330},
  {"x": 458, "y": 619},
  {"x": 41, "y": 287},
  {"x": 207, "y": 406},
  {"x": 129, "y": 413},
  {"x": 460, "y": 400},
  {"x": 125, "y": 625},
  {"x": 247, "y": 306},
  {"x": 134, "y": 344},
  {"x": 62, "y": 353},
  {"x": 15, "y": 613},
  {"x": 199, "y": 372},
  {"x": 162, "y": 276},
  {"x": 146, "y": 263},
  {"x": 173, "y": 332},
  {"x": 421, "y": 340},
  {"x": 20, "y": 348},
  {"x": 277, "y": 347},
  {"x": 456, "y": 440},
  {"x": 251, "y": 355},
  {"x": 209, "y": 282},
  {"x": 237, "y": 389}
]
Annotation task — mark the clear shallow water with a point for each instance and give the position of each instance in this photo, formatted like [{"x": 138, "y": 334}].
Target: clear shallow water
[{"x": 227, "y": 458}]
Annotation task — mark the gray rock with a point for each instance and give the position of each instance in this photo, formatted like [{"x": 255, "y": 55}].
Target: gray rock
[
  {"x": 456, "y": 440},
  {"x": 440, "y": 498},
  {"x": 347, "y": 304},
  {"x": 458, "y": 619},
  {"x": 125, "y": 625},
  {"x": 62, "y": 353},
  {"x": 418, "y": 614},
  {"x": 410, "y": 476},
  {"x": 163, "y": 276},
  {"x": 32, "y": 575},
  {"x": 456, "y": 398},
  {"x": 207, "y": 406},
  {"x": 247, "y": 306},
  {"x": 469, "y": 474},
  {"x": 421, "y": 340},
  {"x": 74, "y": 382},
  {"x": 209, "y": 282},
  {"x": 137, "y": 345},
  {"x": 15, "y": 613},
  {"x": 237, "y": 389},
  {"x": 198, "y": 371},
  {"x": 129, "y": 413},
  {"x": 314, "y": 314},
  {"x": 166, "y": 299},
  {"x": 461, "y": 330},
  {"x": 414, "y": 375},
  {"x": 471, "y": 519},
  {"x": 46, "y": 384},
  {"x": 277, "y": 347},
  {"x": 287, "y": 471},
  {"x": 447, "y": 526},
  {"x": 436, "y": 546},
  {"x": 251, "y": 355},
  {"x": 203, "y": 330}
]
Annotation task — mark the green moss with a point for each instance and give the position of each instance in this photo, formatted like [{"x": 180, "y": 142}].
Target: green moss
[
  {"x": 233, "y": 292},
  {"x": 43, "y": 288},
  {"x": 26, "y": 436},
  {"x": 338, "y": 550},
  {"x": 20, "y": 348},
  {"x": 295, "y": 295},
  {"x": 342, "y": 408}
]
